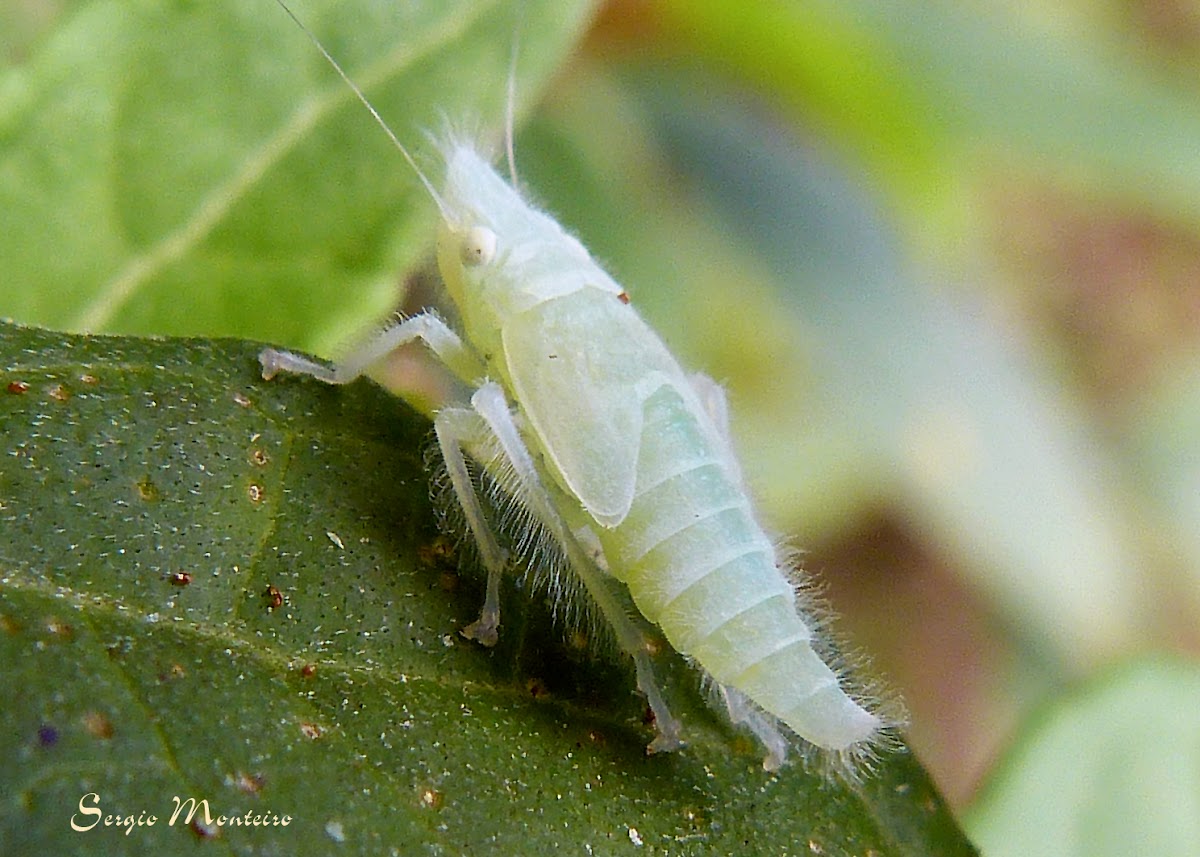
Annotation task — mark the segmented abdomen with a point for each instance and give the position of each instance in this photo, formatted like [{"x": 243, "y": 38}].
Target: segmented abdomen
[{"x": 698, "y": 565}]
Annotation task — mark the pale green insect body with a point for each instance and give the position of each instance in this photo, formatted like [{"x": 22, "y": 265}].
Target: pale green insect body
[
  {"x": 621, "y": 428},
  {"x": 617, "y": 456},
  {"x": 699, "y": 566}
]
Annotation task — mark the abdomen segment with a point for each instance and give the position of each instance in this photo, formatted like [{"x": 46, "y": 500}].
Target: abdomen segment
[{"x": 698, "y": 565}]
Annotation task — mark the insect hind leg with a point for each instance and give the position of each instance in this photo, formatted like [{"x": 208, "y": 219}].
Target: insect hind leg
[
  {"x": 490, "y": 404},
  {"x": 454, "y": 428},
  {"x": 742, "y": 712}
]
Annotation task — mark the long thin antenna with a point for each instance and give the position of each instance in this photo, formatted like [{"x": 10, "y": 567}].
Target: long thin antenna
[
  {"x": 371, "y": 109},
  {"x": 510, "y": 110}
]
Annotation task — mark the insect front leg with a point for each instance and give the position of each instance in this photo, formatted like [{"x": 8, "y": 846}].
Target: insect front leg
[
  {"x": 455, "y": 428},
  {"x": 713, "y": 400},
  {"x": 427, "y": 327},
  {"x": 716, "y": 405},
  {"x": 490, "y": 403}
]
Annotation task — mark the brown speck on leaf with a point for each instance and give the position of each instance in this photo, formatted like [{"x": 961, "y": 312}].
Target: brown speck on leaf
[
  {"x": 255, "y": 492},
  {"x": 273, "y": 596},
  {"x": 251, "y": 784},
  {"x": 98, "y": 725},
  {"x": 204, "y": 831},
  {"x": 438, "y": 553},
  {"x": 89, "y": 379},
  {"x": 311, "y": 730},
  {"x": 176, "y": 671},
  {"x": 537, "y": 688},
  {"x": 181, "y": 578},
  {"x": 146, "y": 489},
  {"x": 259, "y": 456},
  {"x": 60, "y": 629},
  {"x": 17, "y": 387},
  {"x": 623, "y": 297},
  {"x": 59, "y": 393},
  {"x": 431, "y": 798},
  {"x": 308, "y": 670}
]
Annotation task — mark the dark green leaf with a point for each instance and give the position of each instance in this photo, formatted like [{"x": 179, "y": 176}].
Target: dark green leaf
[{"x": 219, "y": 588}]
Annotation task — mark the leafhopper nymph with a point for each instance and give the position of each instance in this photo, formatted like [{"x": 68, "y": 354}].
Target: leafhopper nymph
[{"x": 618, "y": 457}]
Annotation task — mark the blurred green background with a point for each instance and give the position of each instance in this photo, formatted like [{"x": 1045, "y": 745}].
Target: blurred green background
[{"x": 945, "y": 256}]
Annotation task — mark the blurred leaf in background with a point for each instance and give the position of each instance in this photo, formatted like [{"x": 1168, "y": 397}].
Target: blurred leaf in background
[
  {"x": 1109, "y": 769},
  {"x": 178, "y": 168},
  {"x": 945, "y": 258}
]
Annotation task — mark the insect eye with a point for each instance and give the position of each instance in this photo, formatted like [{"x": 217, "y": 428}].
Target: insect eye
[{"x": 478, "y": 246}]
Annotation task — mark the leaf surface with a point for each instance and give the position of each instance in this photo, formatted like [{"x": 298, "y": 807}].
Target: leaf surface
[{"x": 217, "y": 588}]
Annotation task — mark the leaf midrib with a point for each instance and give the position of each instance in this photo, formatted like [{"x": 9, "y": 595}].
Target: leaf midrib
[{"x": 143, "y": 266}]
